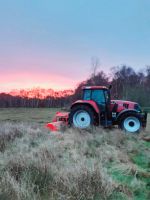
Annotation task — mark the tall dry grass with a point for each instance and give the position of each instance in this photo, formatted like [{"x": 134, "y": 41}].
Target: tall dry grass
[{"x": 74, "y": 165}]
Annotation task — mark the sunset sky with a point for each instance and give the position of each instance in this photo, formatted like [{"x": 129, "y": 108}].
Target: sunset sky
[{"x": 50, "y": 43}]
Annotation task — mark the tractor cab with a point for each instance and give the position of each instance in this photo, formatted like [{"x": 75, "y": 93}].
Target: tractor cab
[{"x": 99, "y": 94}]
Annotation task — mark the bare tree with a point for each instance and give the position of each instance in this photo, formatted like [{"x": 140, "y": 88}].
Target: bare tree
[{"x": 95, "y": 63}]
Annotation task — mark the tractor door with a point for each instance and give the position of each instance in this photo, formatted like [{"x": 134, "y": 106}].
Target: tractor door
[{"x": 99, "y": 97}]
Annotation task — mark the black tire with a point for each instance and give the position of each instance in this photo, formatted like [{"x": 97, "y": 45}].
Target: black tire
[
  {"x": 81, "y": 108},
  {"x": 130, "y": 122}
]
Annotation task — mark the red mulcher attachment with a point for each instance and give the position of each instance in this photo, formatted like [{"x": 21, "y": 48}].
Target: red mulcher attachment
[{"x": 60, "y": 120}]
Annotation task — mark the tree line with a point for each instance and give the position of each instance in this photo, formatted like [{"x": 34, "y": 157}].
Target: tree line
[
  {"x": 7, "y": 100},
  {"x": 127, "y": 84}
]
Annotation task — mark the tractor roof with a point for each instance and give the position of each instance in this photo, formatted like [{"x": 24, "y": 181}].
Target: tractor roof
[{"x": 95, "y": 87}]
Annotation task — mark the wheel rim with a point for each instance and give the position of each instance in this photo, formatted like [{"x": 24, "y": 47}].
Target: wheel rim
[
  {"x": 81, "y": 119},
  {"x": 132, "y": 124}
]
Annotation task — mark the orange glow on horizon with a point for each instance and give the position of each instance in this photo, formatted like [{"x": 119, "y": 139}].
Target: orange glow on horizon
[{"x": 30, "y": 80}]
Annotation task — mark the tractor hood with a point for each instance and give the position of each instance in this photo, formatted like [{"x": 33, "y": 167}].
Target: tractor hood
[{"x": 122, "y": 105}]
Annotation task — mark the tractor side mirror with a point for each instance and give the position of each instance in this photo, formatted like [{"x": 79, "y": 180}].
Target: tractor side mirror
[{"x": 110, "y": 87}]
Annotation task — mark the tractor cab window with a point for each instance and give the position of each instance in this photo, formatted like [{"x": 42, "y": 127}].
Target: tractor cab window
[
  {"x": 87, "y": 95},
  {"x": 101, "y": 97},
  {"x": 98, "y": 96}
]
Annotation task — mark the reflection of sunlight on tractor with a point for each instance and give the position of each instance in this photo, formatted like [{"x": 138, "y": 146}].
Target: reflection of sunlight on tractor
[{"x": 96, "y": 108}]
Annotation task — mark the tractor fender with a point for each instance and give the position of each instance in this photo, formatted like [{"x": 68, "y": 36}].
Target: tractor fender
[
  {"x": 89, "y": 103},
  {"x": 125, "y": 112}
]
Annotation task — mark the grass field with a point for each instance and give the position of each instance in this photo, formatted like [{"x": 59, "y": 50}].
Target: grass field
[
  {"x": 35, "y": 115},
  {"x": 72, "y": 165},
  {"x": 147, "y": 109}
]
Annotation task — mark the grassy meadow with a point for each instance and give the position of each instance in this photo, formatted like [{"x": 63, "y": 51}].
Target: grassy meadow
[
  {"x": 32, "y": 115},
  {"x": 36, "y": 164}
]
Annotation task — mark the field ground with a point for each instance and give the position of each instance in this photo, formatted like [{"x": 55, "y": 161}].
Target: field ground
[
  {"x": 35, "y": 115},
  {"x": 72, "y": 165},
  {"x": 146, "y": 109}
]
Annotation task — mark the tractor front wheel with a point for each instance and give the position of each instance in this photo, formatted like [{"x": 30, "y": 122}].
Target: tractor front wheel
[
  {"x": 130, "y": 123},
  {"x": 81, "y": 117}
]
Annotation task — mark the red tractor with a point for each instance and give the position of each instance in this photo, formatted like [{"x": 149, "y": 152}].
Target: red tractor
[{"x": 96, "y": 108}]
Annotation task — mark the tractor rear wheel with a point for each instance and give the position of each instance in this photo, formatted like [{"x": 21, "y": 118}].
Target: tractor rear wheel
[
  {"x": 81, "y": 116},
  {"x": 130, "y": 123}
]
